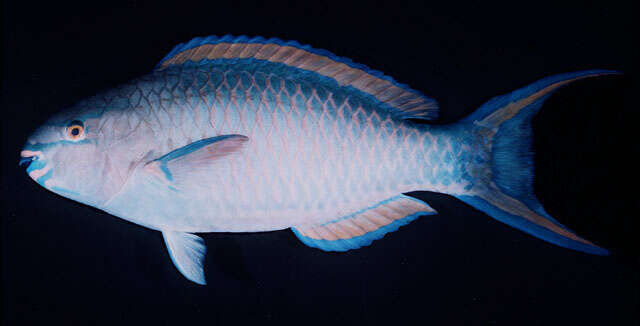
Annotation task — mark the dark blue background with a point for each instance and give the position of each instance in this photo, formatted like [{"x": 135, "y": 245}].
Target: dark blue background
[{"x": 65, "y": 263}]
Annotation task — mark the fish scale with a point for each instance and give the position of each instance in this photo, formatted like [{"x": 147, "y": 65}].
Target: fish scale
[
  {"x": 314, "y": 118},
  {"x": 233, "y": 110},
  {"x": 244, "y": 135}
]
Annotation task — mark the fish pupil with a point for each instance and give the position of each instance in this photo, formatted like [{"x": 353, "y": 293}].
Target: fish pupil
[{"x": 75, "y": 131}]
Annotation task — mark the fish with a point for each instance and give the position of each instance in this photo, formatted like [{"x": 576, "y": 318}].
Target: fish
[{"x": 239, "y": 134}]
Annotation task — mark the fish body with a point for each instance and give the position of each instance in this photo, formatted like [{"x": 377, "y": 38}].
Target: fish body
[
  {"x": 245, "y": 135},
  {"x": 315, "y": 150}
]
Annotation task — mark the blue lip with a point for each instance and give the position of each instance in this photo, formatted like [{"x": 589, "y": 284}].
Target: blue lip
[
  {"x": 36, "y": 164},
  {"x": 26, "y": 161}
]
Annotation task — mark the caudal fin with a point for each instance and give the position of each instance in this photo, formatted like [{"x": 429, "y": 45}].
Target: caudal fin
[{"x": 507, "y": 195}]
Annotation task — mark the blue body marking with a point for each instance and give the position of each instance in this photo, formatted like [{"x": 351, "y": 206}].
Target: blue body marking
[
  {"x": 36, "y": 165},
  {"x": 41, "y": 180}
]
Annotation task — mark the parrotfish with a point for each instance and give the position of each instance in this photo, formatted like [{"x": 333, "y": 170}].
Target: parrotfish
[{"x": 238, "y": 134}]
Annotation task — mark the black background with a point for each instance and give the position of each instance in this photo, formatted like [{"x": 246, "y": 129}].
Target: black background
[{"x": 65, "y": 263}]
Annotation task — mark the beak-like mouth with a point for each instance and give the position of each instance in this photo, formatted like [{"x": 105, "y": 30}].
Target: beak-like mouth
[
  {"x": 25, "y": 161},
  {"x": 26, "y": 157},
  {"x": 37, "y": 168}
]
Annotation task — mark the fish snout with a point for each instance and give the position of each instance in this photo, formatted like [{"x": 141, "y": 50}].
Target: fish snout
[{"x": 27, "y": 156}]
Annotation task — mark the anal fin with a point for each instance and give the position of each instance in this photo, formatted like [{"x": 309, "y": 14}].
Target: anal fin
[{"x": 363, "y": 227}]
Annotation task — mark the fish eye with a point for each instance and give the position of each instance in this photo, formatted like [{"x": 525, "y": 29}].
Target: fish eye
[{"x": 75, "y": 130}]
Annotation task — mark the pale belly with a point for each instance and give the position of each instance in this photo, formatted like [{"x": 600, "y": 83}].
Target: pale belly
[{"x": 266, "y": 189}]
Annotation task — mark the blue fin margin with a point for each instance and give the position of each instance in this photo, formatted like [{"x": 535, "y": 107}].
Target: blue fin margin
[
  {"x": 342, "y": 245},
  {"x": 500, "y": 101},
  {"x": 531, "y": 228},
  {"x": 366, "y": 239},
  {"x": 512, "y": 165}
]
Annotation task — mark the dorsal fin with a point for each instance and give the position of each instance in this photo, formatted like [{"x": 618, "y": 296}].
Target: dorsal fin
[{"x": 411, "y": 103}]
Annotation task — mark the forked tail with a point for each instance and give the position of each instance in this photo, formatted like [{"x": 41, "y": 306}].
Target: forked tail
[{"x": 506, "y": 192}]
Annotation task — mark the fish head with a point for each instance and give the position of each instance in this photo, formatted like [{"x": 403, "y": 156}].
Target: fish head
[{"x": 65, "y": 156}]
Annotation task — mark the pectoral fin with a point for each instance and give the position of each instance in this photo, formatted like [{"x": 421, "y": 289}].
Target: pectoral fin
[
  {"x": 187, "y": 252},
  {"x": 195, "y": 161}
]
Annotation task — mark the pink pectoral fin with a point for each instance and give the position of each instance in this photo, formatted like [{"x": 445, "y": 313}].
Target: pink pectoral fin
[{"x": 194, "y": 161}]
